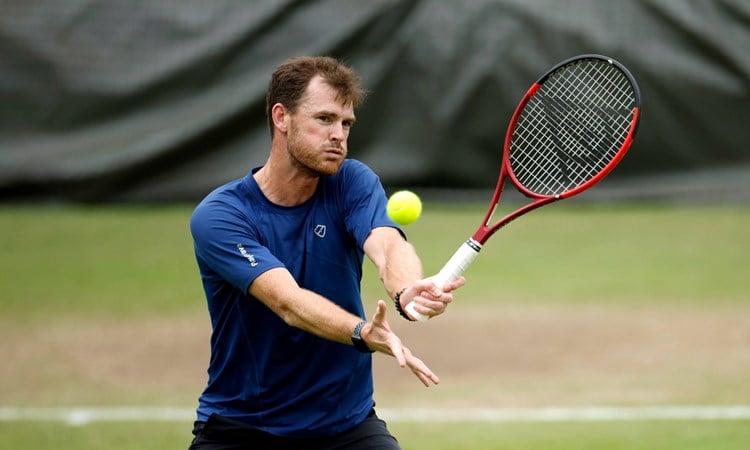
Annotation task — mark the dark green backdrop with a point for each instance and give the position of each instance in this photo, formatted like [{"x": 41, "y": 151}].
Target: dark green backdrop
[{"x": 116, "y": 100}]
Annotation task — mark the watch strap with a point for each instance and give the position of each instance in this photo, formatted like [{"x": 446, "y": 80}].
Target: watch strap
[{"x": 357, "y": 340}]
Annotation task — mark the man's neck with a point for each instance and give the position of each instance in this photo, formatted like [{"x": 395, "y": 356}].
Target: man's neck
[{"x": 285, "y": 187}]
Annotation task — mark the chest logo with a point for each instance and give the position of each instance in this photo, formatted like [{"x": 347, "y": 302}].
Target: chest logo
[{"x": 320, "y": 230}]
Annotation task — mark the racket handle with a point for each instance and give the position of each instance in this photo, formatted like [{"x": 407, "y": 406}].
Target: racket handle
[{"x": 459, "y": 262}]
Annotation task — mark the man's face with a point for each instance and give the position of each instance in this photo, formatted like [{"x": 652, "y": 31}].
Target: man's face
[{"x": 318, "y": 131}]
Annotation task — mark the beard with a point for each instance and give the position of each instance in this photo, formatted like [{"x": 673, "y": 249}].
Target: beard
[{"x": 315, "y": 161}]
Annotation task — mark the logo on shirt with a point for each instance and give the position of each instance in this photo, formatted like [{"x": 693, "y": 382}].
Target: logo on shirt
[
  {"x": 247, "y": 255},
  {"x": 320, "y": 230}
]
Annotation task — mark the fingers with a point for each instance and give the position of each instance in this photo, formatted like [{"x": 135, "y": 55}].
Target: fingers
[
  {"x": 420, "y": 369},
  {"x": 428, "y": 285},
  {"x": 379, "y": 317},
  {"x": 380, "y": 337},
  {"x": 399, "y": 352},
  {"x": 455, "y": 284},
  {"x": 432, "y": 301},
  {"x": 380, "y": 331},
  {"x": 433, "y": 306},
  {"x": 430, "y": 305}
]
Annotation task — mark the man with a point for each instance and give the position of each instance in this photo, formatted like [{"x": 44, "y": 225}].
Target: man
[{"x": 280, "y": 254}]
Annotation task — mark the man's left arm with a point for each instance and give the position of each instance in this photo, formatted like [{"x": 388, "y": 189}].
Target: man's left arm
[{"x": 400, "y": 270}]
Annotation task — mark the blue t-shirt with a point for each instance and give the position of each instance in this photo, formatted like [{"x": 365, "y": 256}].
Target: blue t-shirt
[{"x": 263, "y": 372}]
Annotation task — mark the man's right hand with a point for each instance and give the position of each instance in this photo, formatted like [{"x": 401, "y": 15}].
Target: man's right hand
[{"x": 379, "y": 337}]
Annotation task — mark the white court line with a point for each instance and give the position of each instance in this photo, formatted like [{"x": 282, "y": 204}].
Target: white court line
[
  {"x": 563, "y": 414},
  {"x": 86, "y": 415}
]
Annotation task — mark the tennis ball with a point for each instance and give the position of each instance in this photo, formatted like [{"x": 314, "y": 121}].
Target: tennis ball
[{"x": 404, "y": 207}]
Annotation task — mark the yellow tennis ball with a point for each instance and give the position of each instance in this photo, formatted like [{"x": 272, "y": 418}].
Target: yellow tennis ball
[{"x": 404, "y": 207}]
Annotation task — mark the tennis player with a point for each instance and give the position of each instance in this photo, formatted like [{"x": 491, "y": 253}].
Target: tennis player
[{"x": 280, "y": 255}]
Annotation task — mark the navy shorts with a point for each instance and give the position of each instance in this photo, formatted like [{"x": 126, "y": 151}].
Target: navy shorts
[{"x": 220, "y": 433}]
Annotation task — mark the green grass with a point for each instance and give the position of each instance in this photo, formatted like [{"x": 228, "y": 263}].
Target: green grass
[
  {"x": 576, "y": 436},
  {"x": 138, "y": 261},
  {"x": 127, "y": 263},
  {"x": 573, "y": 253},
  {"x": 114, "y": 261},
  {"x": 702, "y": 435},
  {"x": 99, "y": 436}
]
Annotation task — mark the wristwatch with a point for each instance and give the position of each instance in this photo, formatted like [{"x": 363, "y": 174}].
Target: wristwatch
[{"x": 357, "y": 340}]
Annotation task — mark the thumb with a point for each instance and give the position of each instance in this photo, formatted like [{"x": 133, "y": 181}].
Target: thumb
[{"x": 379, "y": 316}]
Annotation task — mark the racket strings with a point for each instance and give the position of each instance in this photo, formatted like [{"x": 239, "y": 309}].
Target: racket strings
[{"x": 572, "y": 128}]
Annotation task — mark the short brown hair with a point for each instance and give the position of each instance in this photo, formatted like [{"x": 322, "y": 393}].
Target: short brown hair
[{"x": 290, "y": 80}]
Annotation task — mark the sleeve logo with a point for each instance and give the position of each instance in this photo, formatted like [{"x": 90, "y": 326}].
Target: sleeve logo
[{"x": 247, "y": 255}]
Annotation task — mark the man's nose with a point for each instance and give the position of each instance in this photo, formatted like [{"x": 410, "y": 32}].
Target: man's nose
[{"x": 338, "y": 132}]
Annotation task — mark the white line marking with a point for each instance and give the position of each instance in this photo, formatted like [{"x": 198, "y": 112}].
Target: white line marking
[
  {"x": 563, "y": 414},
  {"x": 86, "y": 415}
]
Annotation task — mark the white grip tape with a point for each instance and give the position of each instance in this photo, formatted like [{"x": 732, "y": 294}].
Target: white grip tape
[{"x": 459, "y": 262}]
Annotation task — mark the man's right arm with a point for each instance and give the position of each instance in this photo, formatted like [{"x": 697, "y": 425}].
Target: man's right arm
[
  {"x": 302, "y": 308},
  {"x": 305, "y": 309}
]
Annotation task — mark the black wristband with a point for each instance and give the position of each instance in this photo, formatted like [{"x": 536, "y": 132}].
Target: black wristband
[{"x": 397, "y": 301}]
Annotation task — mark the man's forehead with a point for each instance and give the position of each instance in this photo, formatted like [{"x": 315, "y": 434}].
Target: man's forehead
[{"x": 320, "y": 95}]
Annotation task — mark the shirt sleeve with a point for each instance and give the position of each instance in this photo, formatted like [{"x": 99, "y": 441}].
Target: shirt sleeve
[
  {"x": 228, "y": 245},
  {"x": 365, "y": 202}
]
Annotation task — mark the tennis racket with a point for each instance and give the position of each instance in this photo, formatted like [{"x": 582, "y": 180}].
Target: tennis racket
[{"x": 568, "y": 132}]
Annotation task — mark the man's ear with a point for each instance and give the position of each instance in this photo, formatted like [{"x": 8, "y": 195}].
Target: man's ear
[{"x": 280, "y": 116}]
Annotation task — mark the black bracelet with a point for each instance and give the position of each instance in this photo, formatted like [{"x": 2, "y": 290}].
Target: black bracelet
[{"x": 397, "y": 301}]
